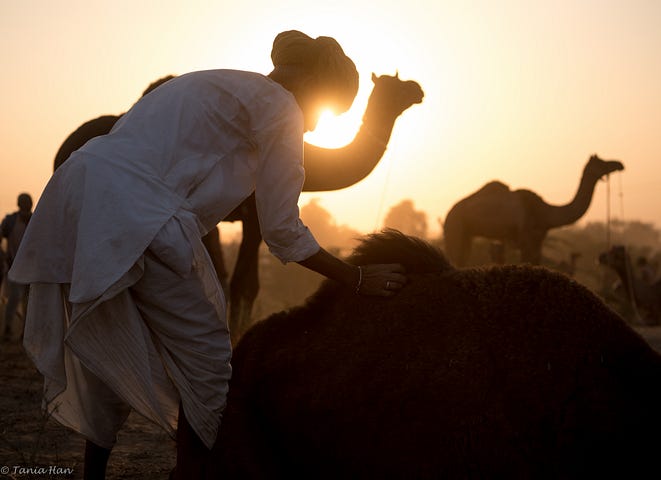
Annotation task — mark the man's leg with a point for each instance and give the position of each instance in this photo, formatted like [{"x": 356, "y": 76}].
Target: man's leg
[
  {"x": 96, "y": 460},
  {"x": 186, "y": 317},
  {"x": 181, "y": 301},
  {"x": 104, "y": 412},
  {"x": 192, "y": 454}
]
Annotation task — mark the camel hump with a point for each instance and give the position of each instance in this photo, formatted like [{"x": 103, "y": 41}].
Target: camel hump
[
  {"x": 88, "y": 130},
  {"x": 493, "y": 188},
  {"x": 528, "y": 197},
  {"x": 392, "y": 246}
]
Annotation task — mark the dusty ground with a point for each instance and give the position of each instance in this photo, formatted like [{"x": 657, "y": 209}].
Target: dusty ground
[{"x": 28, "y": 440}]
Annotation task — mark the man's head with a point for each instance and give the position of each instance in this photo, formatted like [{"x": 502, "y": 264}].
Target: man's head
[
  {"x": 24, "y": 203},
  {"x": 316, "y": 71},
  {"x": 157, "y": 83}
]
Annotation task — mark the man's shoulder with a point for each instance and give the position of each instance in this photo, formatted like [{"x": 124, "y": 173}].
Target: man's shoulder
[
  {"x": 9, "y": 217},
  {"x": 8, "y": 223}
]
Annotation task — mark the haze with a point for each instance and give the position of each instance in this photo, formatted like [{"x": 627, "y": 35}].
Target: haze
[{"x": 519, "y": 91}]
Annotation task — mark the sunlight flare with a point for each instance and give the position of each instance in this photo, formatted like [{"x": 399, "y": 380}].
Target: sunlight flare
[{"x": 335, "y": 131}]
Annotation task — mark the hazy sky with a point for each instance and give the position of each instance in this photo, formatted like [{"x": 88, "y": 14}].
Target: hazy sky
[{"x": 520, "y": 91}]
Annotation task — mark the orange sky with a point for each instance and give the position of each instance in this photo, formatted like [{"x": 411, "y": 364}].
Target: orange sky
[{"x": 519, "y": 91}]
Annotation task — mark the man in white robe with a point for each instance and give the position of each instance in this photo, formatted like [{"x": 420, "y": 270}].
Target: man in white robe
[{"x": 125, "y": 311}]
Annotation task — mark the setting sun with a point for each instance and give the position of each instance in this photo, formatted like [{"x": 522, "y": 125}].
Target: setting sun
[
  {"x": 335, "y": 130},
  {"x": 508, "y": 89}
]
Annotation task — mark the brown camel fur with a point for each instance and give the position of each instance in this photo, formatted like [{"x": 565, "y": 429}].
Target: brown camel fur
[
  {"x": 643, "y": 297},
  {"x": 498, "y": 372},
  {"x": 325, "y": 169},
  {"x": 519, "y": 218}
]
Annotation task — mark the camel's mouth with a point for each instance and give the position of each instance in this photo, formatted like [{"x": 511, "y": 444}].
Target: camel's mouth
[
  {"x": 616, "y": 166},
  {"x": 417, "y": 94},
  {"x": 612, "y": 166}
]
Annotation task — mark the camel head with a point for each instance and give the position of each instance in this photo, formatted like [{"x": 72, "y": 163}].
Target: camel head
[
  {"x": 393, "y": 95},
  {"x": 597, "y": 168}
]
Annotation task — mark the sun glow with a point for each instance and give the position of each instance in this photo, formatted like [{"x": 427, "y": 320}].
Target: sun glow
[{"x": 334, "y": 131}]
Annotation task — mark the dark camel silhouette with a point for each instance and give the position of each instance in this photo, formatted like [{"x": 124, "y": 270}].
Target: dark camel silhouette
[
  {"x": 644, "y": 297},
  {"x": 325, "y": 169},
  {"x": 509, "y": 371},
  {"x": 519, "y": 218}
]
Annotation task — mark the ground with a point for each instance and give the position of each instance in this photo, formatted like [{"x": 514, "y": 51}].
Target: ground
[{"x": 29, "y": 441}]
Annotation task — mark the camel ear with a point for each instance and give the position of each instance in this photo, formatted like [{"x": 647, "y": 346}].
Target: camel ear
[
  {"x": 397, "y": 74},
  {"x": 374, "y": 77}
]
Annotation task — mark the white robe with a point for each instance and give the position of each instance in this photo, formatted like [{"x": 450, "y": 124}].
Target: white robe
[{"x": 179, "y": 161}]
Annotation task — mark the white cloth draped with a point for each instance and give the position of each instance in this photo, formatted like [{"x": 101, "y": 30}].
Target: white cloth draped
[{"x": 137, "y": 201}]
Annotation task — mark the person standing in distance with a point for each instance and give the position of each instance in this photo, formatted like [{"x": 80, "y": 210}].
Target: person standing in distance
[{"x": 13, "y": 228}]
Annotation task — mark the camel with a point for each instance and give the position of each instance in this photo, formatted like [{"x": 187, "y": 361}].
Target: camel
[
  {"x": 519, "y": 218},
  {"x": 511, "y": 371},
  {"x": 643, "y": 297},
  {"x": 325, "y": 170}
]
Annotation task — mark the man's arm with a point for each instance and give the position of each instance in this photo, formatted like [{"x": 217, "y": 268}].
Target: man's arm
[{"x": 379, "y": 279}]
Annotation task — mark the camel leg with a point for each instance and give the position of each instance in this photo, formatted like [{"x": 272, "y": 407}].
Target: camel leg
[
  {"x": 244, "y": 285},
  {"x": 458, "y": 249},
  {"x": 214, "y": 247},
  {"x": 96, "y": 461},
  {"x": 531, "y": 251}
]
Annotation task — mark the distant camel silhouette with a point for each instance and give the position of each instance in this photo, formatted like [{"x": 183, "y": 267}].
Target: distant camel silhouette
[
  {"x": 326, "y": 169},
  {"x": 520, "y": 218},
  {"x": 641, "y": 295}
]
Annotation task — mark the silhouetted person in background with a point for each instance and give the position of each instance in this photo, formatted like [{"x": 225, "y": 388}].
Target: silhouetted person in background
[{"x": 13, "y": 227}]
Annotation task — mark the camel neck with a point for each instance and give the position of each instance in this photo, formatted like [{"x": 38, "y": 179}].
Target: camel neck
[
  {"x": 574, "y": 210},
  {"x": 334, "y": 169},
  {"x": 378, "y": 123}
]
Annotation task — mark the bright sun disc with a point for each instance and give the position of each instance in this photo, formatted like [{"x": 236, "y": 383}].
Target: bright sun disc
[{"x": 333, "y": 130}]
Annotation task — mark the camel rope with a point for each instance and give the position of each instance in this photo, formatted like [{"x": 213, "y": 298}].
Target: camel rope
[
  {"x": 386, "y": 181},
  {"x": 621, "y": 196},
  {"x": 627, "y": 259},
  {"x": 632, "y": 297},
  {"x": 608, "y": 212}
]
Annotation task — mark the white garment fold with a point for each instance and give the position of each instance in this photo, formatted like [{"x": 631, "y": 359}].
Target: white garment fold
[
  {"x": 157, "y": 337},
  {"x": 125, "y": 308}
]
